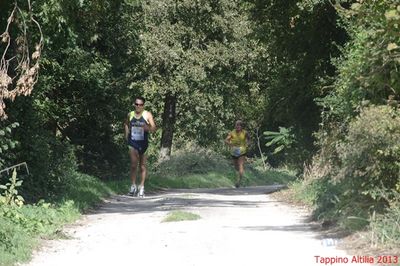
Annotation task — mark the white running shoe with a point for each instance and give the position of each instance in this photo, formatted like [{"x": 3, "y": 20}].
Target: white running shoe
[
  {"x": 141, "y": 191},
  {"x": 133, "y": 190}
]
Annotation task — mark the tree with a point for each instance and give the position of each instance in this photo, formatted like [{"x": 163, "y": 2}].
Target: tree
[
  {"x": 74, "y": 115},
  {"x": 299, "y": 43},
  {"x": 79, "y": 97},
  {"x": 368, "y": 67},
  {"x": 25, "y": 65},
  {"x": 197, "y": 58}
]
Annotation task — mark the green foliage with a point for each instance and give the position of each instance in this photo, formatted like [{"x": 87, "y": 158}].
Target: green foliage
[
  {"x": 330, "y": 204},
  {"x": 209, "y": 180},
  {"x": 366, "y": 159},
  {"x": 192, "y": 167},
  {"x": 254, "y": 176},
  {"x": 298, "y": 45},
  {"x": 286, "y": 149},
  {"x": 76, "y": 78},
  {"x": 85, "y": 191},
  {"x": 359, "y": 132},
  {"x": 21, "y": 227},
  {"x": 15, "y": 244},
  {"x": 42, "y": 218},
  {"x": 196, "y": 167},
  {"x": 385, "y": 228},
  {"x": 304, "y": 192},
  {"x": 281, "y": 140},
  {"x": 370, "y": 154},
  {"x": 325, "y": 198},
  {"x": 52, "y": 164},
  {"x": 7, "y": 143},
  {"x": 192, "y": 159},
  {"x": 198, "y": 52},
  {"x": 10, "y": 196},
  {"x": 368, "y": 67}
]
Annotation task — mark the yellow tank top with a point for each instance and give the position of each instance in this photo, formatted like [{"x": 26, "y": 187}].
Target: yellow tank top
[{"x": 239, "y": 142}]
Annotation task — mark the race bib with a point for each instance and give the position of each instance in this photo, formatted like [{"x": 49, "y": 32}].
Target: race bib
[
  {"x": 236, "y": 151},
  {"x": 137, "y": 133}
]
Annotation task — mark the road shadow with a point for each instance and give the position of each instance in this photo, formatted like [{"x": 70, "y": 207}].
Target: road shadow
[
  {"x": 302, "y": 227},
  {"x": 172, "y": 199},
  {"x": 256, "y": 190},
  {"x": 176, "y": 199}
]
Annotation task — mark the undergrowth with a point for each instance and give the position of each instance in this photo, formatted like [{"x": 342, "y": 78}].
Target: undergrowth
[
  {"x": 23, "y": 225},
  {"x": 352, "y": 215},
  {"x": 202, "y": 168}
]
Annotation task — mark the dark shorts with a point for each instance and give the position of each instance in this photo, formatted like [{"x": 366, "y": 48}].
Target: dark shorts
[
  {"x": 141, "y": 148},
  {"x": 237, "y": 157}
]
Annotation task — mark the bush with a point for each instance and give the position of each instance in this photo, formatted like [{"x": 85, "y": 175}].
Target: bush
[
  {"x": 192, "y": 167},
  {"x": 21, "y": 227},
  {"x": 51, "y": 163},
  {"x": 192, "y": 160},
  {"x": 370, "y": 154},
  {"x": 347, "y": 172},
  {"x": 14, "y": 241},
  {"x": 368, "y": 67}
]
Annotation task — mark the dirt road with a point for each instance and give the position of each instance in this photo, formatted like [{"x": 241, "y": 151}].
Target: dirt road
[{"x": 237, "y": 227}]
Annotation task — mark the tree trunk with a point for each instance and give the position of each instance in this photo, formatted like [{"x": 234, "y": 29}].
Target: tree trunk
[{"x": 168, "y": 125}]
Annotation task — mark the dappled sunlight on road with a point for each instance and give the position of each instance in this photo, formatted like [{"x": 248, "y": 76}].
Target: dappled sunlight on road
[{"x": 237, "y": 227}]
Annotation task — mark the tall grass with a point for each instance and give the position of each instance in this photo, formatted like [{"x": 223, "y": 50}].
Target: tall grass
[
  {"x": 196, "y": 167},
  {"x": 385, "y": 227},
  {"x": 21, "y": 227},
  {"x": 352, "y": 213}
]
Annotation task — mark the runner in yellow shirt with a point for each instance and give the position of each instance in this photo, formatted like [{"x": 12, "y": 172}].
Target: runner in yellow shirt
[{"x": 238, "y": 139}]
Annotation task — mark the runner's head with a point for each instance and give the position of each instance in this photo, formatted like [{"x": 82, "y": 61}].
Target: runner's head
[
  {"x": 238, "y": 125},
  {"x": 139, "y": 103}
]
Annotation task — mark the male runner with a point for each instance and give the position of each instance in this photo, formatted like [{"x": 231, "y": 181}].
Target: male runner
[{"x": 137, "y": 127}]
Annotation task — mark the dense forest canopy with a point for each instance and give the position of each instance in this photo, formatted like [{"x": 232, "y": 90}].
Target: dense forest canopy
[{"x": 312, "y": 67}]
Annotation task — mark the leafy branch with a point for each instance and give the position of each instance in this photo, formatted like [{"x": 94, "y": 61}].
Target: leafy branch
[
  {"x": 10, "y": 191},
  {"x": 6, "y": 141},
  {"x": 25, "y": 75},
  {"x": 281, "y": 140}
]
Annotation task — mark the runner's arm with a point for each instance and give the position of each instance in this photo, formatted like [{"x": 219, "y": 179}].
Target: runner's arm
[
  {"x": 126, "y": 127},
  {"x": 228, "y": 139},
  {"x": 151, "y": 127}
]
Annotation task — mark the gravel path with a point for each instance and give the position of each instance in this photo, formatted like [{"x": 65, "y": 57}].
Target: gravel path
[{"x": 237, "y": 227}]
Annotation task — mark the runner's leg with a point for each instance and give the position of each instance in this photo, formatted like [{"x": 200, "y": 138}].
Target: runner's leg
[
  {"x": 236, "y": 164},
  {"x": 143, "y": 169},
  {"x": 241, "y": 165},
  {"x": 134, "y": 156},
  {"x": 240, "y": 162}
]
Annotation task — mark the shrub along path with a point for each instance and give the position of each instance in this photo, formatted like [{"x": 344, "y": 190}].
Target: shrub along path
[{"x": 236, "y": 227}]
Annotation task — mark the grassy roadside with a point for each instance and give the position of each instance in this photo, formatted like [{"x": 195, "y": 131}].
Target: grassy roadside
[
  {"x": 378, "y": 235},
  {"x": 205, "y": 169},
  {"x": 22, "y": 228}
]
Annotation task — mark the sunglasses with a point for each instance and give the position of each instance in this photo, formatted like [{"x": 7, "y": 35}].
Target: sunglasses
[{"x": 139, "y": 104}]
